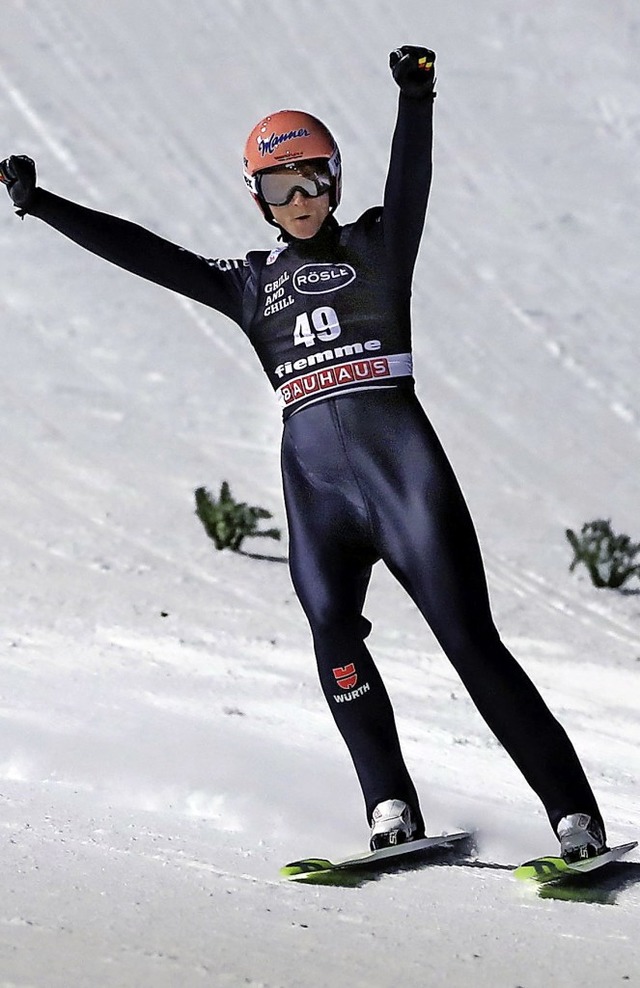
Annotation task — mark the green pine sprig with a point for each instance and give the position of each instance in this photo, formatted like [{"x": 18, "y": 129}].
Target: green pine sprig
[
  {"x": 229, "y": 523},
  {"x": 609, "y": 558}
]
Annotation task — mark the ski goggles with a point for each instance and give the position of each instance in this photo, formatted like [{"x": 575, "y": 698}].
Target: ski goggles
[{"x": 277, "y": 188}]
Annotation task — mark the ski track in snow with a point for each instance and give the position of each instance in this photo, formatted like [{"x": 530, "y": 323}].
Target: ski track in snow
[{"x": 165, "y": 747}]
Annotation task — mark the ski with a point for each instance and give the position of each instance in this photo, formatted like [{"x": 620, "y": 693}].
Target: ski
[
  {"x": 321, "y": 870},
  {"x": 551, "y": 869}
]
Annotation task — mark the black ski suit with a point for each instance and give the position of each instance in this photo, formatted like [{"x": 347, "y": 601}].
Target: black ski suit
[{"x": 365, "y": 477}]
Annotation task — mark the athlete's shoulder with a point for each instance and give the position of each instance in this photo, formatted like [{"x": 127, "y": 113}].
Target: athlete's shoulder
[
  {"x": 264, "y": 258},
  {"x": 371, "y": 217},
  {"x": 368, "y": 222}
]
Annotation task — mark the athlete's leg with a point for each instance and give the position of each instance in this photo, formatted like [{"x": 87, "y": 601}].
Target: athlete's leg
[
  {"x": 330, "y": 568},
  {"x": 428, "y": 541}
]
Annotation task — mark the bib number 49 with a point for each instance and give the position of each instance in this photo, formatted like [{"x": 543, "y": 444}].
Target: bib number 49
[{"x": 322, "y": 325}]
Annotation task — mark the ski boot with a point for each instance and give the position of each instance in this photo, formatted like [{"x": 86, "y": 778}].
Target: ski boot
[
  {"x": 392, "y": 824},
  {"x": 580, "y": 837}
]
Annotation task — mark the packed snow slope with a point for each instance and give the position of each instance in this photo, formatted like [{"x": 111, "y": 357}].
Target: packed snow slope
[{"x": 164, "y": 744}]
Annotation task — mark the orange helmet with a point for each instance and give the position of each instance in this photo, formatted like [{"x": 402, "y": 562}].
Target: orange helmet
[{"x": 290, "y": 136}]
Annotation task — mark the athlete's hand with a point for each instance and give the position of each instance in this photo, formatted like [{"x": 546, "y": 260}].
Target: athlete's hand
[
  {"x": 413, "y": 68},
  {"x": 18, "y": 173}
]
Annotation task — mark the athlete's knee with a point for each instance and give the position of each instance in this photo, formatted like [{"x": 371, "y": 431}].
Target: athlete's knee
[
  {"x": 335, "y": 624},
  {"x": 330, "y": 618},
  {"x": 470, "y": 640}
]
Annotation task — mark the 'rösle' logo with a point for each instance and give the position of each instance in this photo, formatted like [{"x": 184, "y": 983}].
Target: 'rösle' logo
[{"x": 318, "y": 279}]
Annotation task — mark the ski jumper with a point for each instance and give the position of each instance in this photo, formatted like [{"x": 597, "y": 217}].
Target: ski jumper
[{"x": 365, "y": 477}]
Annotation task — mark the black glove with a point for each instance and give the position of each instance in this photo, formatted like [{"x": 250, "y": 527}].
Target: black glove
[
  {"x": 413, "y": 69},
  {"x": 18, "y": 173}
]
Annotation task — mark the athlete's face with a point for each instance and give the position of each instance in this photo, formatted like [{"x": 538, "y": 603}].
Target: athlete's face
[{"x": 303, "y": 216}]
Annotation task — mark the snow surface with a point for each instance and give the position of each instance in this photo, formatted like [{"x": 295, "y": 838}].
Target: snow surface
[{"x": 164, "y": 744}]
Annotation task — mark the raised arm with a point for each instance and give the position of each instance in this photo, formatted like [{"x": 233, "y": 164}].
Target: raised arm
[
  {"x": 218, "y": 284},
  {"x": 409, "y": 177}
]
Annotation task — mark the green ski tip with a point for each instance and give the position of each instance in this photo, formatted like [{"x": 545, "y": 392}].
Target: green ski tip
[{"x": 308, "y": 866}]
